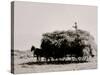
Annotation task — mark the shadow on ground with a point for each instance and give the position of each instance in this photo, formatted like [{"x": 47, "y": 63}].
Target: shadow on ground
[{"x": 52, "y": 62}]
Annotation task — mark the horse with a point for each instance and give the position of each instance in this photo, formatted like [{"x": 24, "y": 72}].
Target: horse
[{"x": 37, "y": 53}]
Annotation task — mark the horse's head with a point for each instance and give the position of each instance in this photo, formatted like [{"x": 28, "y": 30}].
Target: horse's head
[{"x": 32, "y": 48}]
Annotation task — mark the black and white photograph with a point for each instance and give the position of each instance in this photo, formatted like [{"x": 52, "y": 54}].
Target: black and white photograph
[{"x": 51, "y": 37}]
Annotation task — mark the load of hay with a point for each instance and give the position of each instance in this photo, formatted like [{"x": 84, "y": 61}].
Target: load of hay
[{"x": 61, "y": 44}]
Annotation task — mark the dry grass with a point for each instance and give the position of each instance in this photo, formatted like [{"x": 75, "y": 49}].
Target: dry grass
[{"x": 24, "y": 63}]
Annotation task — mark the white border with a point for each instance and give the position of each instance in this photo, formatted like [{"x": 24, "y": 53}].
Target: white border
[{"x": 5, "y": 33}]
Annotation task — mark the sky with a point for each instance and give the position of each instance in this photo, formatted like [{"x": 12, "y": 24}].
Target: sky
[{"x": 31, "y": 20}]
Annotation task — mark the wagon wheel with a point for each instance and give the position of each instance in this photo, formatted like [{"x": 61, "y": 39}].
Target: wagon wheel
[
  {"x": 85, "y": 58},
  {"x": 79, "y": 58}
]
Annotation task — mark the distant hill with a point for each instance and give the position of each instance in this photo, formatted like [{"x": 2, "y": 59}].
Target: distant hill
[{"x": 21, "y": 54}]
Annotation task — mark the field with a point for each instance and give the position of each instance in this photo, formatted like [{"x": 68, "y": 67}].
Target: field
[{"x": 24, "y": 63}]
